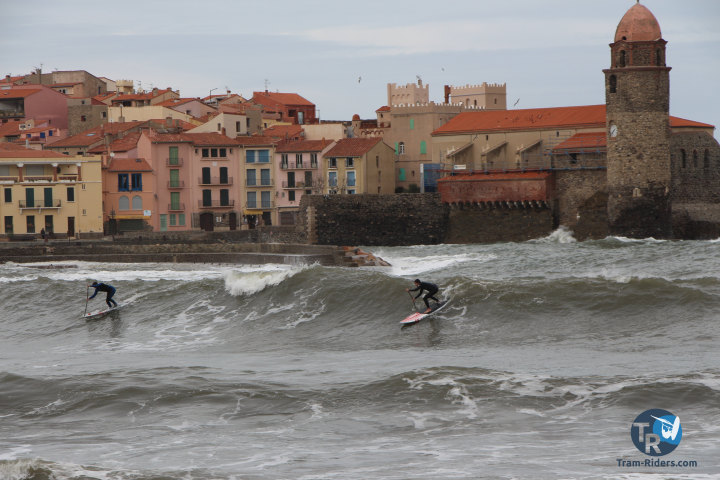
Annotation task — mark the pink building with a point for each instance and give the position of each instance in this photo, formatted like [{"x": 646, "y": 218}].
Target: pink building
[
  {"x": 298, "y": 170},
  {"x": 43, "y": 104},
  {"x": 195, "y": 175}
]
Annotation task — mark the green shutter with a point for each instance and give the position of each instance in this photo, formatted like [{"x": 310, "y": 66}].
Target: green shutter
[
  {"x": 423, "y": 147},
  {"x": 412, "y": 124},
  {"x": 396, "y": 148},
  {"x": 401, "y": 175}
]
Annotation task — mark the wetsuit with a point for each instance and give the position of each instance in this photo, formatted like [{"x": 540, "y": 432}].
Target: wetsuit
[
  {"x": 102, "y": 287},
  {"x": 431, "y": 288}
]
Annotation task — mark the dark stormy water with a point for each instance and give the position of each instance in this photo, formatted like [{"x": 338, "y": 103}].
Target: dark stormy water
[{"x": 546, "y": 354}]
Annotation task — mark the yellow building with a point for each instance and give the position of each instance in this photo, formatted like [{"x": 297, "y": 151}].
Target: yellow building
[
  {"x": 47, "y": 191},
  {"x": 359, "y": 165}
]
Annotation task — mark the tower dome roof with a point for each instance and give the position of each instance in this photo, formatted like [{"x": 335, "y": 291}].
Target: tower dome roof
[{"x": 638, "y": 25}]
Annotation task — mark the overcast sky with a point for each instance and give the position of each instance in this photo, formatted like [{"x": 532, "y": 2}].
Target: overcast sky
[{"x": 341, "y": 55}]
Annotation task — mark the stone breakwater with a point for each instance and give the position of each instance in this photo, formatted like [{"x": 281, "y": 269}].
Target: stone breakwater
[{"x": 237, "y": 253}]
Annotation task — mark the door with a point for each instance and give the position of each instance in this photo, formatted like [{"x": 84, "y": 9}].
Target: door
[
  {"x": 71, "y": 227},
  {"x": 48, "y": 197},
  {"x": 206, "y": 176},
  {"x": 207, "y": 198},
  {"x": 291, "y": 180},
  {"x": 29, "y": 197},
  {"x": 49, "y": 224},
  {"x": 8, "y": 225},
  {"x": 224, "y": 175},
  {"x": 232, "y": 218},
  {"x": 174, "y": 178},
  {"x": 173, "y": 156},
  {"x": 308, "y": 179},
  {"x": 163, "y": 222},
  {"x": 206, "y": 221}
]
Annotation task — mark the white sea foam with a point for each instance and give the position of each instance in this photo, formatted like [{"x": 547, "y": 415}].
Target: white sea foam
[
  {"x": 246, "y": 283},
  {"x": 561, "y": 235}
]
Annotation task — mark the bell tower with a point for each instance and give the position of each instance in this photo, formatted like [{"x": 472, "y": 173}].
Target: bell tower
[{"x": 637, "y": 99}]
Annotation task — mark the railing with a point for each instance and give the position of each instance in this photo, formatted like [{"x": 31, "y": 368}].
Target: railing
[
  {"x": 9, "y": 179},
  {"x": 14, "y": 113},
  {"x": 39, "y": 204},
  {"x": 298, "y": 166},
  {"x": 215, "y": 181},
  {"x": 216, "y": 204},
  {"x": 176, "y": 184},
  {"x": 179, "y": 207},
  {"x": 266, "y": 183},
  {"x": 67, "y": 178},
  {"x": 41, "y": 179},
  {"x": 178, "y": 162},
  {"x": 286, "y": 184},
  {"x": 260, "y": 205}
]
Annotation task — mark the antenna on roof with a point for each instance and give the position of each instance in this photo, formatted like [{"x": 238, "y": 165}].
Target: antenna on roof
[{"x": 267, "y": 82}]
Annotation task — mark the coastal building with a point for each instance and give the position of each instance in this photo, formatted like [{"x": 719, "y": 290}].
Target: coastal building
[
  {"x": 358, "y": 165},
  {"x": 128, "y": 194},
  {"x": 297, "y": 168},
  {"x": 73, "y": 83},
  {"x": 626, "y": 165},
  {"x": 289, "y": 107},
  {"x": 38, "y": 102},
  {"x": 259, "y": 182},
  {"x": 230, "y": 124},
  {"x": 47, "y": 191}
]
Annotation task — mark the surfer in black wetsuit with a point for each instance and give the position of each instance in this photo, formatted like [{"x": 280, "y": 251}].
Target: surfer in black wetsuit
[
  {"x": 104, "y": 287},
  {"x": 431, "y": 290}
]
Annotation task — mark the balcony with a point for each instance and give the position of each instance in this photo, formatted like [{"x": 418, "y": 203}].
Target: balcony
[
  {"x": 216, "y": 204},
  {"x": 298, "y": 166},
  {"x": 178, "y": 207},
  {"x": 299, "y": 185},
  {"x": 68, "y": 178},
  {"x": 262, "y": 184},
  {"x": 176, "y": 184},
  {"x": 11, "y": 113},
  {"x": 260, "y": 205},
  {"x": 7, "y": 180},
  {"x": 39, "y": 204},
  {"x": 38, "y": 179},
  {"x": 174, "y": 162},
  {"x": 215, "y": 181}
]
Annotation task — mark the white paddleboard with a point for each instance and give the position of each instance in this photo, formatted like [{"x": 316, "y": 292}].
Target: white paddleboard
[
  {"x": 417, "y": 316},
  {"x": 100, "y": 313}
]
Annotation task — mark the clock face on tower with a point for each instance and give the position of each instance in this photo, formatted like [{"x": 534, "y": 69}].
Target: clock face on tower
[{"x": 613, "y": 130}]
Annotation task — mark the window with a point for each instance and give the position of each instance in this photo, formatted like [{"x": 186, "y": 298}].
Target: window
[
  {"x": 423, "y": 147},
  {"x": 251, "y": 199},
  {"x": 173, "y": 220},
  {"x": 265, "y": 177},
  {"x": 225, "y": 197},
  {"x": 683, "y": 156},
  {"x": 123, "y": 182},
  {"x": 401, "y": 174},
  {"x": 83, "y": 118},
  {"x": 350, "y": 179},
  {"x": 30, "y": 197},
  {"x": 136, "y": 182},
  {"x": 265, "y": 199},
  {"x": 30, "y": 224},
  {"x": 173, "y": 158},
  {"x": 224, "y": 179},
  {"x": 313, "y": 160},
  {"x": 351, "y": 192},
  {"x": 695, "y": 158},
  {"x": 377, "y": 161},
  {"x": 706, "y": 159},
  {"x": 349, "y": 162},
  {"x": 332, "y": 162},
  {"x": 284, "y": 160},
  {"x": 207, "y": 198},
  {"x": 8, "y": 195},
  {"x": 237, "y": 127},
  {"x": 298, "y": 160},
  {"x": 137, "y": 202},
  {"x": 401, "y": 148},
  {"x": 332, "y": 179},
  {"x": 175, "y": 201},
  {"x": 181, "y": 219},
  {"x": 264, "y": 156},
  {"x": 613, "y": 84},
  {"x": 412, "y": 124},
  {"x": 174, "y": 178},
  {"x": 206, "y": 176},
  {"x": 291, "y": 179},
  {"x": 251, "y": 177},
  {"x": 205, "y": 152},
  {"x": 250, "y": 156},
  {"x": 222, "y": 152},
  {"x": 621, "y": 62},
  {"x": 291, "y": 195},
  {"x": 123, "y": 203}
]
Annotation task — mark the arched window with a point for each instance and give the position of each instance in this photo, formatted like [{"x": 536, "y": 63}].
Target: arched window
[
  {"x": 658, "y": 57},
  {"x": 613, "y": 84},
  {"x": 137, "y": 202},
  {"x": 621, "y": 59},
  {"x": 401, "y": 148},
  {"x": 695, "y": 158},
  {"x": 123, "y": 203},
  {"x": 683, "y": 156}
]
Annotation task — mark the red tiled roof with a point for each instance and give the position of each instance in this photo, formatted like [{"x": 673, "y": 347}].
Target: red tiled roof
[
  {"x": 173, "y": 102},
  {"x": 283, "y": 131},
  {"x": 162, "y": 123},
  {"x": 584, "y": 141},
  {"x": 353, "y": 147},
  {"x": 249, "y": 141},
  {"x": 18, "y": 92},
  {"x": 12, "y": 79},
  {"x": 11, "y": 150},
  {"x": 88, "y": 137},
  {"x": 199, "y": 139},
  {"x": 303, "y": 146},
  {"x": 384, "y": 108},
  {"x": 10, "y": 129},
  {"x": 129, "y": 165},
  {"x": 536, "y": 118},
  {"x": 281, "y": 98},
  {"x": 128, "y": 142}
]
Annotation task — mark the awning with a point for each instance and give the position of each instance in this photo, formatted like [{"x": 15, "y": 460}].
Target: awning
[
  {"x": 534, "y": 144},
  {"x": 493, "y": 148},
  {"x": 130, "y": 217},
  {"x": 459, "y": 150},
  {"x": 249, "y": 211}
]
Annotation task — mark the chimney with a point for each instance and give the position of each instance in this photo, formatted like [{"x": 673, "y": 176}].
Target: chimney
[
  {"x": 447, "y": 93},
  {"x": 223, "y": 131}
]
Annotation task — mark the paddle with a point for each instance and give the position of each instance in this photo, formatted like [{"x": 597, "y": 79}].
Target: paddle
[
  {"x": 87, "y": 298},
  {"x": 413, "y": 302}
]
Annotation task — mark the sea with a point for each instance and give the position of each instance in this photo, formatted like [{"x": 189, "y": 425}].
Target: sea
[{"x": 547, "y": 353}]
